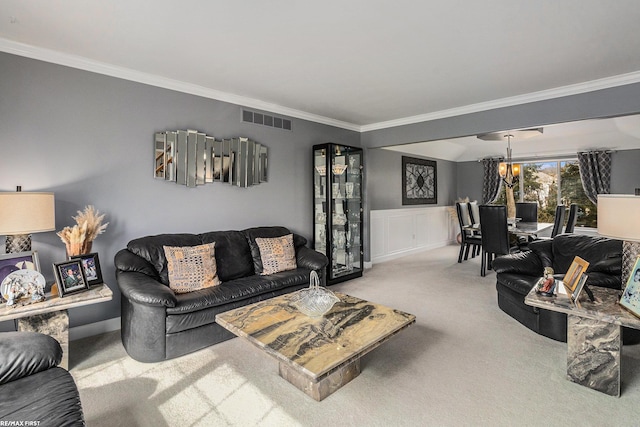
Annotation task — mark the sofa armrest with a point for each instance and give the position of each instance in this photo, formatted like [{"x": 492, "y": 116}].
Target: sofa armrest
[
  {"x": 140, "y": 288},
  {"x": 26, "y": 353},
  {"x": 308, "y": 258},
  {"x": 520, "y": 263}
]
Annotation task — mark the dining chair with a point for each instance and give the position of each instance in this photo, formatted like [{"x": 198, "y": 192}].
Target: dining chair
[
  {"x": 571, "y": 220},
  {"x": 474, "y": 213},
  {"x": 470, "y": 241},
  {"x": 558, "y": 222},
  {"x": 527, "y": 211},
  {"x": 495, "y": 235}
]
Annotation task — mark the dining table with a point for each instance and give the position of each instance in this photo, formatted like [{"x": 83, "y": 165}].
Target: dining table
[{"x": 522, "y": 228}]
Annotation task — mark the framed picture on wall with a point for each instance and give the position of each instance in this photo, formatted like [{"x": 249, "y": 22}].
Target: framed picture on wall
[{"x": 419, "y": 181}]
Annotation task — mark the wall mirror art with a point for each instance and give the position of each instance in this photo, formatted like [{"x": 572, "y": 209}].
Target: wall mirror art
[
  {"x": 192, "y": 158},
  {"x": 419, "y": 181}
]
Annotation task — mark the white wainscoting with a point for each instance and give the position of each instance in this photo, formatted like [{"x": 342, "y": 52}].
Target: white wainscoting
[{"x": 399, "y": 232}]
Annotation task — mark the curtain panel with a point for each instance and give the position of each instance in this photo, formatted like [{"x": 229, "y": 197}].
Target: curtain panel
[
  {"x": 595, "y": 173},
  {"x": 491, "y": 181}
]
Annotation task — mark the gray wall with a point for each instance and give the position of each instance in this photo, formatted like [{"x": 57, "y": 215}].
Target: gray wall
[
  {"x": 615, "y": 101},
  {"x": 89, "y": 138},
  {"x": 625, "y": 171},
  {"x": 384, "y": 180}
]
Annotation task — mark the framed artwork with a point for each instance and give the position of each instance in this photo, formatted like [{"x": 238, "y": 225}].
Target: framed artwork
[
  {"x": 14, "y": 262},
  {"x": 91, "y": 267},
  {"x": 70, "y": 277},
  {"x": 631, "y": 295},
  {"x": 576, "y": 269},
  {"x": 419, "y": 181}
]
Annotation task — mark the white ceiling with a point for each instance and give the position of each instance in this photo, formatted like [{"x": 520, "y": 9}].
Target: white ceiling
[{"x": 358, "y": 64}]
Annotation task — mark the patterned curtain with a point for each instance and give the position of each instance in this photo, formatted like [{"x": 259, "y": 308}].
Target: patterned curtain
[
  {"x": 491, "y": 181},
  {"x": 595, "y": 173}
]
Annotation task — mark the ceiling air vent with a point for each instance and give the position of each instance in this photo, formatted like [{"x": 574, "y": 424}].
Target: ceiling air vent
[{"x": 266, "y": 120}]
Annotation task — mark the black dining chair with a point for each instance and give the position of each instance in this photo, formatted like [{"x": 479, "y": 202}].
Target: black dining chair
[
  {"x": 558, "y": 222},
  {"x": 470, "y": 240},
  {"x": 495, "y": 235},
  {"x": 474, "y": 214},
  {"x": 527, "y": 211},
  {"x": 571, "y": 220}
]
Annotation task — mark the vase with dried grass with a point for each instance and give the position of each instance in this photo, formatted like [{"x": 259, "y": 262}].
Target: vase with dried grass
[{"x": 79, "y": 238}]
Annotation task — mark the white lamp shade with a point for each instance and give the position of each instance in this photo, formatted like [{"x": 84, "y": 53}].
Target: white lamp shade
[
  {"x": 619, "y": 216},
  {"x": 26, "y": 213}
]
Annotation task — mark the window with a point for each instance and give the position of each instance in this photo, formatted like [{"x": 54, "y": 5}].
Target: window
[{"x": 550, "y": 184}]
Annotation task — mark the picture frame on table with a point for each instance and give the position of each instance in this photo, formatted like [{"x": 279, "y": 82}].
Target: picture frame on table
[
  {"x": 70, "y": 277},
  {"x": 576, "y": 270},
  {"x": 91, "y": 267},
  {"x": 630, "y": 299},
  {"x": 16, "y": 261}
]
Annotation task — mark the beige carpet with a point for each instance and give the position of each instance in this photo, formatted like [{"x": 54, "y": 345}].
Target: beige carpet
[{"x": 463, "y": 363}]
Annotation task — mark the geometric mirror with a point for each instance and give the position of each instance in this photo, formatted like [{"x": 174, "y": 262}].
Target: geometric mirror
[{"x": 191, "y": 158}]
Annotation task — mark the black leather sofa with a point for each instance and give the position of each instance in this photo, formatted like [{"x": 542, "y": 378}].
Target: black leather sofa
[
  {"x": 158, "y": 324},
  {"x": 32, "y": 386},
  {"x": 517, "y": 273}
]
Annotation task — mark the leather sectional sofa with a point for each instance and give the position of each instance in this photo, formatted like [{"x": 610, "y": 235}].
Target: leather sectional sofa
[
  {"x": 158, "y": 324},
  {"x": 32, "y": 386},
  {"x": 517, "y": 273}
]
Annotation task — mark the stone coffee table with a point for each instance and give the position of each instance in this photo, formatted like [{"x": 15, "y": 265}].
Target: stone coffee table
[{"x": 317, "y": 355}]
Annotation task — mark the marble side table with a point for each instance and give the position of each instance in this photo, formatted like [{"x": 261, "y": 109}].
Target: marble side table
[
  {"x": 51, "y": 317},
  {"x": 594, "y": 336}
]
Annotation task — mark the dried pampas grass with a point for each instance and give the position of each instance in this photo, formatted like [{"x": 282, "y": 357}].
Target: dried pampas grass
[{"x": 88, "y": 226}]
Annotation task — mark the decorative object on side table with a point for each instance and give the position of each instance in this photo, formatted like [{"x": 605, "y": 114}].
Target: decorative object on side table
[
  {"x": 70, "y": 277},
  {"x": 24, "y": 213},
  {"x": 618, "y": 219},
  {"x": 631, "y": 295},
  {"x": 314, "y": 301},
  {"x": 11, "y": 266},
  {"x": 577, "y": 268},
  {"x": 419, "y": 181},
  {"x": 91, "y": 267},
  {"x": 79, "y": 238},
  {"x": 547, "y": 284}
]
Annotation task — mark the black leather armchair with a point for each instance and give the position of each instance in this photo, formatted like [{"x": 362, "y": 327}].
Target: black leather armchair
[
  {"x": 517, "y": 273},
  {"x": 157, "y": 324},
  {"x": 32, "y": 387}
]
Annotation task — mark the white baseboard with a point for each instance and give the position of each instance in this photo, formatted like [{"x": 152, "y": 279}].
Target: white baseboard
[
  {"x": 412, "y": 251},
  {"x": 92, "y": 329}
]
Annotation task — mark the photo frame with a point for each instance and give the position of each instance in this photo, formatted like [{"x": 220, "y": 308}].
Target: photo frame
[
  {"x": 70, "y": 277},
  {"x": 17, "y": 261},
  {"x": 576, "y": 270},
  {"x": 419, "y": 181},
  {"x": 630, "y": 299},
  {"x": 91, "y": 267}
]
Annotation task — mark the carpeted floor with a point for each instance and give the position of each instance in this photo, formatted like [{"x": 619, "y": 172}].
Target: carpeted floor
[{"x": 463, "y": 363}]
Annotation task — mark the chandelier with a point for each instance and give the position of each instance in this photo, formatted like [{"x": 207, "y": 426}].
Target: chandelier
[{"x": 509, "y": 171}]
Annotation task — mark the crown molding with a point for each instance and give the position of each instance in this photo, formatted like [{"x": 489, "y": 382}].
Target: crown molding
[
  {"x": 74, "y": 61},
  {"x": 575, "y": 89}
]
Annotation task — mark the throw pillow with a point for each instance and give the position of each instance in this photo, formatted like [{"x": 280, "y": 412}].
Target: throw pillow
[
  {"x": 191, "y": 268},
  {"x": 277, "y": 254}
]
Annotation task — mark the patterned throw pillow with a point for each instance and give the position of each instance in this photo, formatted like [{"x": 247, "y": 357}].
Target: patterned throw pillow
[
  {"x": 191, "y": 268},
  {"x": 277, "y": 254}
]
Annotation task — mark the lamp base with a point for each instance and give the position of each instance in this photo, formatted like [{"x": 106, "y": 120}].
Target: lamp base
[
  {"x": 18, "y": 243},
  {"x": 630, "y": 252}
]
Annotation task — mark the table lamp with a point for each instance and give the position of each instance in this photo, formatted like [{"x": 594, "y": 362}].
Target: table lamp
[
  {"x": 24, "y": 213},
  {"x": 619, "y": 218}
]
